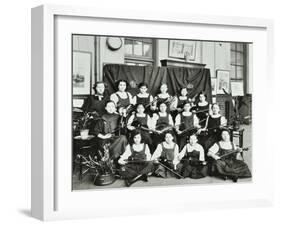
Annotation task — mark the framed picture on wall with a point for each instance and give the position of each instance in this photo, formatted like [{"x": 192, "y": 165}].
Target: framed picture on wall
[
  {"x": 223, "y": 81},
  {"x": 81, "y": 72},
  {"x": 59, "y": 72},
  {"x": 182, "y": 49}
]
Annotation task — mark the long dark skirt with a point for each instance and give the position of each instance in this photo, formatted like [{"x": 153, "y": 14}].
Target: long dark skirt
[
  {"x": 232, "y": 167},
  {"x": 193, "y": 169},
  {"x": 132, "y": 170}
]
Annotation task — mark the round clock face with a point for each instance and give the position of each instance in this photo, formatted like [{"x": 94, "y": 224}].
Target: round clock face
[{"x": 114, "y": 43}]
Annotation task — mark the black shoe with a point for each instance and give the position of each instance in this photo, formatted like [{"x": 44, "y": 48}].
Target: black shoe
[
  {"x": 235, "y": 179},
  {"x": 144, "y": 178},
  {"x": 128, "y": 182}
]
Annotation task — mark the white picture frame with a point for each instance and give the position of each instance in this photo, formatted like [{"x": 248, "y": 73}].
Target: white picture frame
[
  {"x": 182, "y": 49},
  {"x": 223, "y": 81},
  {"x": 82, "y": 72},
  {"x": 52, "y": 197}
]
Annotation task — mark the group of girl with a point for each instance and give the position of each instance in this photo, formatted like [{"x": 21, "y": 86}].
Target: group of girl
[{"x": 166, "y": 135}]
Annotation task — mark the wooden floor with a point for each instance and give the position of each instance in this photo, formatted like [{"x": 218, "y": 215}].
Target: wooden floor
[{"x": 86, "y": 182}]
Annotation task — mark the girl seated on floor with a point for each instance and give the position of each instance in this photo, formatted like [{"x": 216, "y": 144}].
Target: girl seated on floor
[
  {"x": 135, "y": 161},
  {"x": 226, "y": 165},
  {"x": 192, "y": 158},
  {"x": 166, "y": 157}
]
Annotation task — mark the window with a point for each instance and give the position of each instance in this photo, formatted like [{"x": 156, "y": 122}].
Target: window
[
  {"x": 139, "y": 51},
  {"x": 238, "y": 61}
]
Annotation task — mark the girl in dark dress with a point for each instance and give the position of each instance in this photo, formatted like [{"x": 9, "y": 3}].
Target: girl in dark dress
[
  {"x": 143, "y": 97},
  {"x": 96, "y": 103},
  {"x": 107, "y": 130},
  {"x": 122, "y": 98},
  {"x": 167, "y": 154},
  {"x": 180, "y": 100},
  {"x": 161, "y": 122},
  {"x": 202, "y": 108},
  {"x": 186, "y": 123},
  {"x": 164, "y": 97},
  {"x": 211, "y": 132},
  {"x": 228, "y": 166},
  {"x": 135, "y": 161},
  {"x": 142, "y": 121},
  {"x": 193, "y": 159}
]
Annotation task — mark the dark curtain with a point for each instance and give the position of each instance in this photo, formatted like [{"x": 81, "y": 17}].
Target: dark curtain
[
  {"x": 199, "y": 78},
  {"x": 175, "y": 77}
]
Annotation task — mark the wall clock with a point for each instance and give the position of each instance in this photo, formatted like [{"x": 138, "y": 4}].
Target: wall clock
[{"x": 114, "y": 43}]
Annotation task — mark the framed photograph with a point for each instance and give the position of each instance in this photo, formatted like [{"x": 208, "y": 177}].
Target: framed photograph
[
  {"x": 223, "y": 81},
  {"x": 237, "y": 88},
  {"x": 68, "y": 182},
  {"x": 182, "y": 49},
  {"x": 81, "y": 74},
  {"x": 214, "y": 86}
]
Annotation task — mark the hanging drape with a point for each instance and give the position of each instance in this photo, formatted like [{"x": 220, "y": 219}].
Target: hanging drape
[{"x": 198, "y": 79}]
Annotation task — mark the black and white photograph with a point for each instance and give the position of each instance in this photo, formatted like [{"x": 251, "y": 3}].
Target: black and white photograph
[{"x": 155, "y": 119}]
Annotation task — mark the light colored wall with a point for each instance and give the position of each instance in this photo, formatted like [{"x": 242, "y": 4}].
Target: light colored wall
[
  {"x": 85, "y": 43},
  {"x": 216, "y": 55},
  {"x": 163, "y": 48},
  {"x": 108, "y": 56},
  {"x": 249, "y": 87}
]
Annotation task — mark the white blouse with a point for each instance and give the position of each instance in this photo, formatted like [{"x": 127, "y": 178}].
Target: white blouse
[
  {"x": 137, "y": 148},
  {"x": 157, "y": 153},
  {"x": 190, "y": 148},
  {"x": 155, "y": 118},
  {"x": 132, "y": 117},
  {"x": 215, "y": 148},
  {"x": 123, "y": 95},
  {"x": 178, "y": 119}
]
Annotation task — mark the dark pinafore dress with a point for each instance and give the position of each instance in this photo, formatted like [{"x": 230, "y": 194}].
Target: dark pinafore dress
[
  {"x": 213, "y": 134},
  {"x": 202, "y": 114},
  {"x": 162, "y": 123},
  {"x": 229, "y": 165},
  {"x": 187, "y": 124},
  {"x": 161, "y": 100},
  {"x": 181, "y": 103},
  {"x": 139, "y": 122},
  {"x": 146, "y": 103},
  {"x": 166, "y": 158},
  {"x": 192, "y": 166},
  {"x": 138, "y": 166},
  {"x": 123, "y": 102}
]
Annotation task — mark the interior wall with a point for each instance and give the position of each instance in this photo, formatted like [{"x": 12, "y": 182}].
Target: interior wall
[
  {"x": 107, "y": 56},
  {"x": 163, "y": 51},
  {"x": 86, "y": 43},
  {"x": 216, "y": 55}
]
